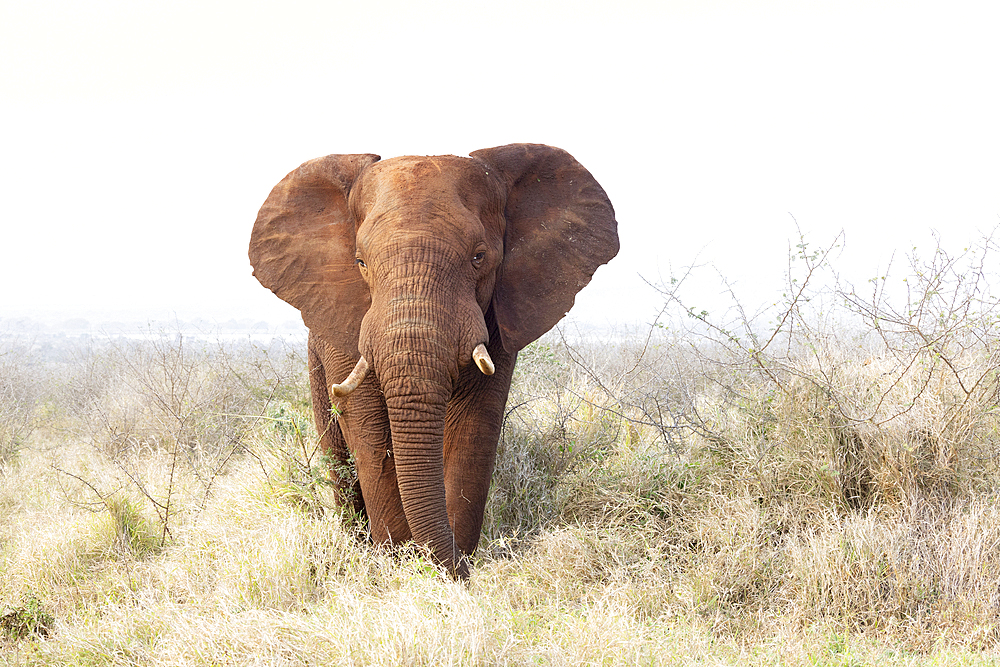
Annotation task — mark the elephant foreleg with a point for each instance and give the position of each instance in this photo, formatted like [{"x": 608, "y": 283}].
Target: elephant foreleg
[
  {"x": 366, "y": 427},
  {"x": 360, "y": 439},
  {"x": 331, "y": 439},
  {"x": 472, "y": 430}
]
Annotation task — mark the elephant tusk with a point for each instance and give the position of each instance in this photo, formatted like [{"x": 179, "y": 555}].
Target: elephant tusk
[
  {"x": 353, "y": 380},
  {"x": 482, "y": 359}
]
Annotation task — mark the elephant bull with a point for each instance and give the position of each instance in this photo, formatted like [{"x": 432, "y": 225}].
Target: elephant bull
[{"x": 419, "y": 279}]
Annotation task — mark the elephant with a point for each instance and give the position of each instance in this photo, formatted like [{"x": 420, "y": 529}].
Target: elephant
[{"x": 419, "y": 279}]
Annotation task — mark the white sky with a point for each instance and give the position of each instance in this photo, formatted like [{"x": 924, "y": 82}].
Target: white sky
[{"x": 140, "y": 138}]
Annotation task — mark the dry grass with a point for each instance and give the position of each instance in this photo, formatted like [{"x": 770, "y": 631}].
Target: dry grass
[{"x": 699, "y": 507}]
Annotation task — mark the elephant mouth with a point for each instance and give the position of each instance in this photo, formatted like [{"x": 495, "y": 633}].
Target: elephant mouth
[{"x": 479, "y": 355}]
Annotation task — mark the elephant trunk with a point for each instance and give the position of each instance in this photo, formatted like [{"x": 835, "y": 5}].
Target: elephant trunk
[
  {"x": 417, "y": 417},
  {"x": 416, "y": 356}
]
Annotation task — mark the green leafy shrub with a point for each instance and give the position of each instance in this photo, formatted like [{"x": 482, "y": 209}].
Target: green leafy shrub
[{"x": 27, "y": 619}]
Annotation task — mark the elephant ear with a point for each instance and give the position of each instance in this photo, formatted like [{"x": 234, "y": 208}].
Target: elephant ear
[
  {"x": 560, "y": 228},
  {"x": 302, "y": 247}
]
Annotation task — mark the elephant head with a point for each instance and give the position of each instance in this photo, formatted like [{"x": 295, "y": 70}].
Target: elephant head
[{"x": 416, "y": 267}]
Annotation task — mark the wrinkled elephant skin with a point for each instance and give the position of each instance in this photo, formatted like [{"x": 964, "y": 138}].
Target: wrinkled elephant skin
[{"x": 419, "y": 279}]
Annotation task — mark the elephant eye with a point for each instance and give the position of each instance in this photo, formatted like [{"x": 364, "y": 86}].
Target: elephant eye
[
  {"x": 360, "y": 262},
  {"x": 477, "y": 259}
]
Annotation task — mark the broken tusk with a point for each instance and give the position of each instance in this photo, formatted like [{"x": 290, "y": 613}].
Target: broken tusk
[
  {"x": 353, "y": 380},
  {"x": 482, "y": 359}
]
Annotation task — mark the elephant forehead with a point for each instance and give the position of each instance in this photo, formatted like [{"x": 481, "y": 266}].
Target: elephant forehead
[
  {"x": 427, "y": 179},
  {"x": 423, "y": 165}
]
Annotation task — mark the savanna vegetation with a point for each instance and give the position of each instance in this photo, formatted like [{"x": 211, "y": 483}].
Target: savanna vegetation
[{"x": 813, "y": 484}]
